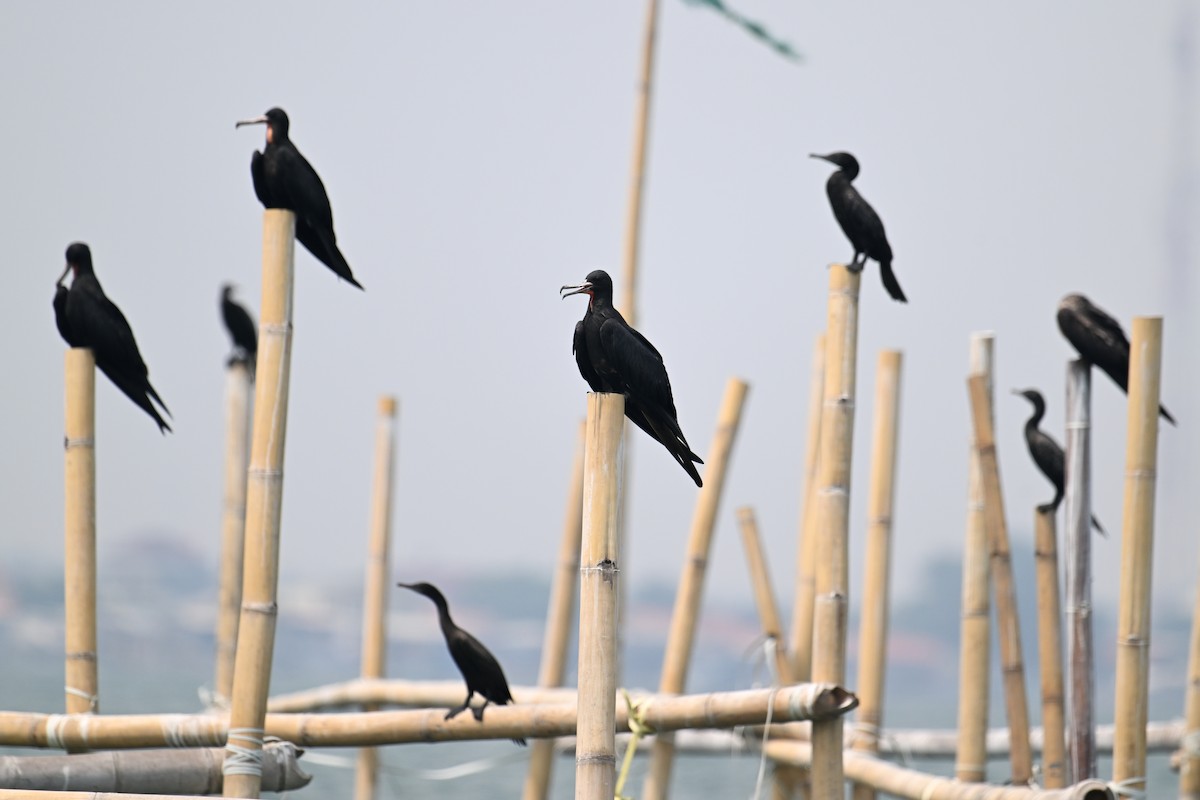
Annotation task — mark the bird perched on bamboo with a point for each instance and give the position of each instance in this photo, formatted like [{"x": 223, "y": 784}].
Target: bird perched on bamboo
[
  {"x": 859, "y": 221},
  {"x": 1047, "y": 454},
  {"x": 613, "y": 357},
  {"x": 87, "y": 318},
  {"x": 243, "y": 334},
  {"x": 283, "y": 178},
  {"x": 1099, "y": 340},
  {"x": 478, "y": 666}
]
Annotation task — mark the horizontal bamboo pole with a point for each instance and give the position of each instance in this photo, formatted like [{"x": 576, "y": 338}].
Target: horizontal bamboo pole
[
  {"x": 403, "y": 693},
  {"x": 79, "y": 553},
  {"x": 806, "y": 701},
  {"x": 1050, "y": 665}
]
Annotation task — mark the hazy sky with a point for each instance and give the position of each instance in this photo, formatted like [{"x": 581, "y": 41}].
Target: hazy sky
[{"x": 476, "y": 155}]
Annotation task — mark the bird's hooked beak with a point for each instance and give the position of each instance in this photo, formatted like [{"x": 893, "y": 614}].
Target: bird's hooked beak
[
  {"x": 256, "y": 121},
  {"x": 583, "y": 288},
  {"x": 63, "y": 277}
]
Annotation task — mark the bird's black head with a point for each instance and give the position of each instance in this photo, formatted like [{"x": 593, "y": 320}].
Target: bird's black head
[
  {"x": 1076, "y": 303},
  {"x": 847, "y": 162},
  {"x": 79, "y": 259},
  {"x": 598, "y": 286},
  {"x": 427, "y": 589},
  {"x": 226, "y": 292},
  {"x": 277, "y": 124},
  {"x": 1032, "y": 395}
]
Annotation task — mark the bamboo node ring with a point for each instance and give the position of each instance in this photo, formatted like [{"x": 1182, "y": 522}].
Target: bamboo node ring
[
  {"x": 275, "y": 328},
  {"x": 1190, "y": 744},
  {"x": 83, "y": 441},
  {"x": 269, "y": 609},
  {"x": 1081, "y": 425},
  {"x": 1146, "y": 473}
]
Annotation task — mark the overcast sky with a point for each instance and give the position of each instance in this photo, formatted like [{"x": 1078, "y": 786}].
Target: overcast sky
[{"x": 476, "y": 156}]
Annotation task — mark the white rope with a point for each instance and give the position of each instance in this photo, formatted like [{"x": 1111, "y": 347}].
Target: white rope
[
  {"x": 93, "y": 699},
  {"x": 54, "y": 724},
  {"x": 769, "y": 647},
  {"x": 244, "y": 760},
  {"x": 1126, "y": 788}
]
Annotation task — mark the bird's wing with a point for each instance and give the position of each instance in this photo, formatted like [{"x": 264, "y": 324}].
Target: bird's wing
[
  {"x": 479, "y": 668},
  {"x": 580, "y": 349},
  {"x": 60, "y": 316},
  {"x": 301, "y": 188},
  {"x": 638, "y": 363},
  {"x": 260, "y": 182},
  {"x": 855, "y": 214},
  {"x": 1099, "y": 340},
  {"x": 240, "y": 326},
  {"x": 1048, "y": 456},
  {"x": 100, "y": 325}
]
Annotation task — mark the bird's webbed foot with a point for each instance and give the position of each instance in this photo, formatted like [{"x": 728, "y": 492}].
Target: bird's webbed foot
[
  {"x": 478, "y": 712},
  {"x": 857, "y": 263},
  {"x": 454, "y": 712}
]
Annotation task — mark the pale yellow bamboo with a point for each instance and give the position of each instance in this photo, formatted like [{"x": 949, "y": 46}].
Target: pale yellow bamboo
[
  {"x": 1054, "y": 747},
  {"x": 1189, "y": 767},
  {"x": 974, "y": 665},
  {"x": 872, "y": 647},
  {"x": 595, "y": 753},
  {"x": 377, "y": 583},
  {"x": 833, "y": 521},
  {"x": 233, "y": 526},
  {"x": 682, "y": 633},
  {"x": 264, "y": 501},
  {"x": 637, "y": 178},
  {"x": 395, "y": 692},
  {"x": 79, "y": 554},
  {"x": 800, "y": 638},
  {"x": 1137, "y": 548},
  {"x": 558, "y": 621},
  {"x": 1012, "y": 664},
  {"x": 764, "y": 596}
]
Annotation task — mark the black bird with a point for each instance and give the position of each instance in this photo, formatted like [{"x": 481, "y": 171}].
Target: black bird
[
  {"x": 478, "y": 666},
  {"x": 1099, "y": 340},
  {"x": 613, "y": 357},
  {"x": 242, "y": 332},
  {"x": 284, "y": 179},
  {"x": 1047, "y": 453},
  {"x": 87, "y": 318},
  {"x": 859, "y": 221}
]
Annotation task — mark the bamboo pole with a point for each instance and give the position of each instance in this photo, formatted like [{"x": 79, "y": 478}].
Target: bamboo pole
[
  {"x": 833, "y": 521},
  {"x": 1054, "y": 766},
  {"x": 558, "y": 621},
  {"x": 1081, "y": 672},
  {"x": 79, "y": 553},
  {"x": 1189, "y": 767},
  {"x": 233, "y": 525},
  {"x": 264, "y": 501},
  {"x": 975, "y": 637},
  {"x": 872, "y": 648},
  {"x": 375, "y": 592},
  {"x": 764, "y": 596},
  {"x": 1137, "y": 548},
  {"x": 681, "y": 635},
  {"x": 395, "y": 692},
  {"x": 596, "y": 755},
  {"x": 1012, "y": 665},
  {"x": 800, "y": 637}
]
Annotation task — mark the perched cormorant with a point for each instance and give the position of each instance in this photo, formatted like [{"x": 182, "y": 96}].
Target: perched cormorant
[
  {"x": 1047, "y": 453},
  {"x": 859, "y": 221},
  {"x": 1099, "y": 340},
  {"x": 478, "y": 666},
  {"x": 242, "y": 332},
  {"x": 284, "y": 179},
  {"x": 613, "y": 357},
  {"x": 87, "y": 318}
]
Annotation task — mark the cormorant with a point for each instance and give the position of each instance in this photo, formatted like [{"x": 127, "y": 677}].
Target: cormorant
[
  {"x": 478, "y": 666},
  {"x": 1047, "y": 453},
  {"x": 284, "y": 179},
  {"x": 1099, "y": 340},
  {"x": 859, "y": 221},
  {"x": 87, "y": 318},
  {"x": 242, "y": 332},
  {"x": 613, "y": 357}
]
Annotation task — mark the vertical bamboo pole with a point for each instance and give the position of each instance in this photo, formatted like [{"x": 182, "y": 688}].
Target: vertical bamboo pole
[
  {"x": 1137, "y": 547},
  {"x": 691, "y": 582},
  {"x": 1081, "y": 687},
  {"x": 233, "y": 526},
  {"x": 1189, "y": 766},
  {"x": 264, "y": 501},
  {"x": 375, "y": 592},
  {"x": 558, "y": 622},
  {"x": 764, "y": 596},
  {"x": 1054, "y": 766},
  {"x": 833, "y": 522},
  {"x": 79, "y": 554},
  {"x": 595, "y": 744},
  {"x": 800, "y": 638},
  {"x": 872, "y": 648},
  {"x": 1012, "y": 665},
  {"x": 975, "y": 638}
]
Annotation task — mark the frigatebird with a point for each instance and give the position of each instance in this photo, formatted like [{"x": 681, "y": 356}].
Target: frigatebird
[
  {"x": 242, "y": 332},
  {"x": 87, "y": 318},
  {"x": 859, "y": 221},
  {"x": 478, "y": 666},
  {"x": 284, "y": 179},
  {"x": 613, "y": 357}
]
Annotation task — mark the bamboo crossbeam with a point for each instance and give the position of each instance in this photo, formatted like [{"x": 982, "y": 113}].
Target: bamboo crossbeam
[
  {"x": 264, "y": 502},
  {"x": 1054, "y": 756},
  {"x": 1081, "y": 670},
  {"x": 830, "y": 610},
  {"x": 764, "y": 596},
  {"x": 558, "y": 621},
  {"x": 397, "y": 692},
  {"x": 1137, "y": 549},
  {"x": 1012, "y": 665},
  {"x": 974, "y": 665},
  {"x": 233, "y": 526},
  {"x": 172, "y": 772},
  {"x": 800, "y": 636},
  {"x": 872, "y": 648},
  {"x": 79, "y": 551},
  {"x": 377, "y": 583},
  {"x": 686, "y": 614}
]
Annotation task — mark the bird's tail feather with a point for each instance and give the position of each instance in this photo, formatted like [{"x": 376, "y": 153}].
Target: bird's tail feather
[
  {"x": 1099, "y": 528},
  {"x": 890, "y": 283},
  {"x": 1167, "y": 416},
  {"x": 323, "y": 246}
]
